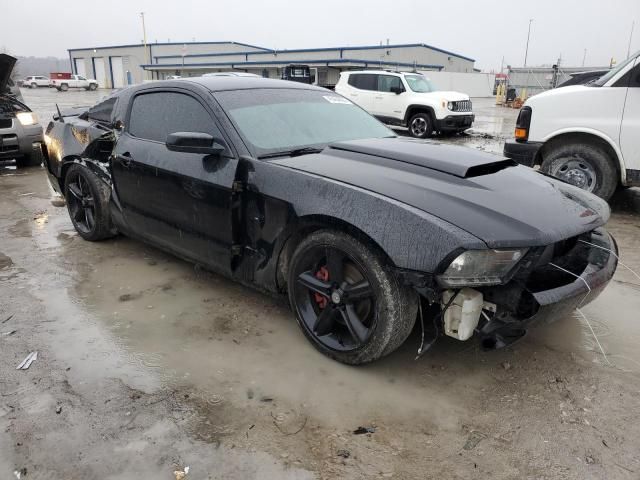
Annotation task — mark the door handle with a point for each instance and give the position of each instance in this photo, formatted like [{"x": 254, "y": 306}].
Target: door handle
[{"x": 125, "y": 159}]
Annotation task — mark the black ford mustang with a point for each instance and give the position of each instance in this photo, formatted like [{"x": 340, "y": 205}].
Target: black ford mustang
[{"x": 295, "y": 190}]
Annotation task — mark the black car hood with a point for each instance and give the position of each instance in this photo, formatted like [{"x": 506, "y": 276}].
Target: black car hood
[
  {"x": 7, "y": 62},
  {"x": 488, "y": 196}
]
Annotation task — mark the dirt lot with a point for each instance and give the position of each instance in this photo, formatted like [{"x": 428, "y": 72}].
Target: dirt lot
[{"x": 147, "y": 365}]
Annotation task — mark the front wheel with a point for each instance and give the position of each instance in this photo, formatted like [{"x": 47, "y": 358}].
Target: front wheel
[
  {"x": 421, "y": 125},
  {"x": 34, "y": 85},
  {"x": 87, "y": 199},
  {"x": 584, "y": 165},
  {"x": 347, "y": 300},
  {"x": 93, "y": 86}
]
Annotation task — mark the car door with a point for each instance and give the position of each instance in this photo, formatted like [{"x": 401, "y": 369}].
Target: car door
[
  {"x": 180, "y": 201},
  {"x": 387, "y": 104},
  {"x": 630, "y": 125},
  {"x": 362, "y": 89}
]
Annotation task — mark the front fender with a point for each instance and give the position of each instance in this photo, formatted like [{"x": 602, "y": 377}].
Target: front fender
[{"x": 411, "y": 238}]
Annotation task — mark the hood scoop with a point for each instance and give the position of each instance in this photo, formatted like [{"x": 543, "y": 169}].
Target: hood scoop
[{"x": 458, "y": 161}]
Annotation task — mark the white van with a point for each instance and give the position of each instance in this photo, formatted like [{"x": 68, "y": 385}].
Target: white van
[{"x": 587, "y": 135}]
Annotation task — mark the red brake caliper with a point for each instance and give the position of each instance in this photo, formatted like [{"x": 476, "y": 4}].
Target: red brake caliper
[{"x": 321, "y": 274}]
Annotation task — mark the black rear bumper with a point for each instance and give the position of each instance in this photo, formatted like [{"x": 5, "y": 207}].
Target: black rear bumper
[
  {"x": 559, "y": 301},
  {"x": 522, "y": 152},
  {"x": 454, "y": 123}
]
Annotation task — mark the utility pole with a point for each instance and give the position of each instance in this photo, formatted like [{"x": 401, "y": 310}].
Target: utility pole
[
  {"x": 584, "y": 57},
  {"x": 526, "y": 52},
  {"x": 633, "y": 24},
  {"x": 144, "y": 40}
]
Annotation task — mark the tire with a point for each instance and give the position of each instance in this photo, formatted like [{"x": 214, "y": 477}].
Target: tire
[
  {"x": 34, "y": 159},
  {"x": 34, "y": 85},
  {"x": 87, "y": 199},
  {"x": 92, "y": 86},
  {"x": 351, "y": 331},
  {"x": 421, "y": 125},
  {"x": 64, "y": 87},
  {"x": 584, "y": 165}
]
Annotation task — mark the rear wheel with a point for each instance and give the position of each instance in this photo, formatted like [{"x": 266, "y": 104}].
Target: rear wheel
[
  {"x": 34, "y": 85},
  {"x": 64, "y": 87},
  {"x": 584, "y": 165},
  {"x": 92, "y": 86},
  {"x": 421, "y": 125},
  {"x": 347, "y": 301},
  {"x": 87, "y": 199}
]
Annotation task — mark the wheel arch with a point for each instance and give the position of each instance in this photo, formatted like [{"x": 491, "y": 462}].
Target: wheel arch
[
  {"x": 588, "y": 136},
  {"x": 417, "y": 108},
  {"x": 308, "y": 224}
]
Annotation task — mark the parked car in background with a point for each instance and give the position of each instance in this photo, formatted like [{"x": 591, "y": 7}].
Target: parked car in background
[
  {"x": 407, "y": 100},
  {"x": 296, "y": 190},
  {"x": 587, "y": 135},
  {"x": 63, "y": 82},
  {"x": 20, "y": 133},
  {"x": 35, "y": 81}
]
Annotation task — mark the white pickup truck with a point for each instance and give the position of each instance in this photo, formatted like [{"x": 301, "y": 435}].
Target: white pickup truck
[
  {"x": 75, "y": 81},
  {"x": 587, "y": 135}
]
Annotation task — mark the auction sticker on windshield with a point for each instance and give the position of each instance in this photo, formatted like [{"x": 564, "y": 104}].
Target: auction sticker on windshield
[{"x": 332, "y": 99}]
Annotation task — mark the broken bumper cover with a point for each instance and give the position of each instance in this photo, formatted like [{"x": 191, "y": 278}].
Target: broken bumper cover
[{"x": 559, "y": 302}]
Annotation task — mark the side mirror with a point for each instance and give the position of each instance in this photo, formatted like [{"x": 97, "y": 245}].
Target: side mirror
[
  {"x": 194, "y": 142},
  {"x": 396, "y": 90},
  {"x": 118, "y": 125}
]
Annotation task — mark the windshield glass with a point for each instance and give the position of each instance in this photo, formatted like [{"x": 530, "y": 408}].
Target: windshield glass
[
  {"x": 420, "y": 83},
  {"x": 281, "y": 120},
  {"x": 612, "y": 73}
]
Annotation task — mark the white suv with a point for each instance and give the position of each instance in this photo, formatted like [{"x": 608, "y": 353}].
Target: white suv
[
  {"x": 587, "y": 135},
  {"x": 35, "y": 81},
  {"x": 407, "y": 100}
]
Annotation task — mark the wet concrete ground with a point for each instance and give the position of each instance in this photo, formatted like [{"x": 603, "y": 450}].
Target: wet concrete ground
[{"x": 154, "y": 365}]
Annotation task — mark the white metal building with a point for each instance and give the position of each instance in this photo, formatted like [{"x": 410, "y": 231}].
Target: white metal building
[{"x": 120, "y": 65}]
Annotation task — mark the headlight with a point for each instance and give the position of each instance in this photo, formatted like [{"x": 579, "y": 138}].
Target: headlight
[
  {"x": 475, "y": 268},
  {"x": 27, "y": 118},
  {"x": 450, "y": 105}
]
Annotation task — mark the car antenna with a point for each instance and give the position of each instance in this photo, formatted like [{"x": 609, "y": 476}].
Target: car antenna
[{"x": 60, "y": 117}]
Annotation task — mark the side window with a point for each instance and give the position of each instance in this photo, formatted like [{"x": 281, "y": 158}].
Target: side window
[
  {"x": 364, "y": 81},
  {"x": 80, "y": 77},
  {"x": 155, "y": 115},
  {"x": 387, "y": 82},
  {"x": 634, "y": 81}
]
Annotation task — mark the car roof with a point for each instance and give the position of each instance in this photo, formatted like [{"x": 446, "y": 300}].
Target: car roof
[
  {"x": 221, "y": 83},
  {"x": 381, "y": 72}
]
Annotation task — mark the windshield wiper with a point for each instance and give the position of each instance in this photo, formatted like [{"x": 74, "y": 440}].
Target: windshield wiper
[{"x": 296, "y": 152}]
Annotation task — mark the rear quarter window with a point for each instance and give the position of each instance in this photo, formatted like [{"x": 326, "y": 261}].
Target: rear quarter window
[{"x": 363, "y": 81}]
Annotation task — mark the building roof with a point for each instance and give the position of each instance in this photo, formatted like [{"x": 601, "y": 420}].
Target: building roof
[{"x": 263, "y": 50}]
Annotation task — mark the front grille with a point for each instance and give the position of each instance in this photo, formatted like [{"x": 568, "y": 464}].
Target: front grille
[
  {"x": 6, "y": 122},
  {"x": 461, "y": 106}
]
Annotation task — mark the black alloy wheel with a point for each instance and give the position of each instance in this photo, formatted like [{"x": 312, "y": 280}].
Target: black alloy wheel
[
  {"x": 335, "y": 299},
  {"x": 347, "y": 298},
  {"x": 82, "y": 207},
  {"x": 87, "y": 199}
]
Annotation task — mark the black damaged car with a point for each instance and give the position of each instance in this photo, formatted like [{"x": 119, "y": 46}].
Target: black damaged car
[{"x": 295, "y": 190}]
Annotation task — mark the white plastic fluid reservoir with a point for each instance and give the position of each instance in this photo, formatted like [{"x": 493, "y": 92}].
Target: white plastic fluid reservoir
[{"x": 462, "y": 316}]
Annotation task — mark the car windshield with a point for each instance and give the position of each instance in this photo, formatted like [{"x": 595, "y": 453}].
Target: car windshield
[
  {"x": 612, "y": 73},
  {"x": 420, "y": 83},
  {"x": 276, "y": 121}
]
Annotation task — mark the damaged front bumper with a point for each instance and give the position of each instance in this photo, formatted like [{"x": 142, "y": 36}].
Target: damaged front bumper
[{"x": 557, "y": 280}]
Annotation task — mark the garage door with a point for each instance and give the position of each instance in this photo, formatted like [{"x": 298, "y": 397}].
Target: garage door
[
  {"x": 79, "y": 64},
  {"x": 117, "y": 72},
  {"x": 101, "y": 76}
]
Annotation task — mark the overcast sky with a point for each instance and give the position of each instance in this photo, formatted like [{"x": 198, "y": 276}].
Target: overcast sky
[{"x": 485, "y": 30}]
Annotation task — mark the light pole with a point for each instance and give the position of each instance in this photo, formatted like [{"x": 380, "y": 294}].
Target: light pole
[
  {"x": 526, "y": 52},
  {"x": 144, "y": 40},
  {"x": 630, "y": 37}
]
